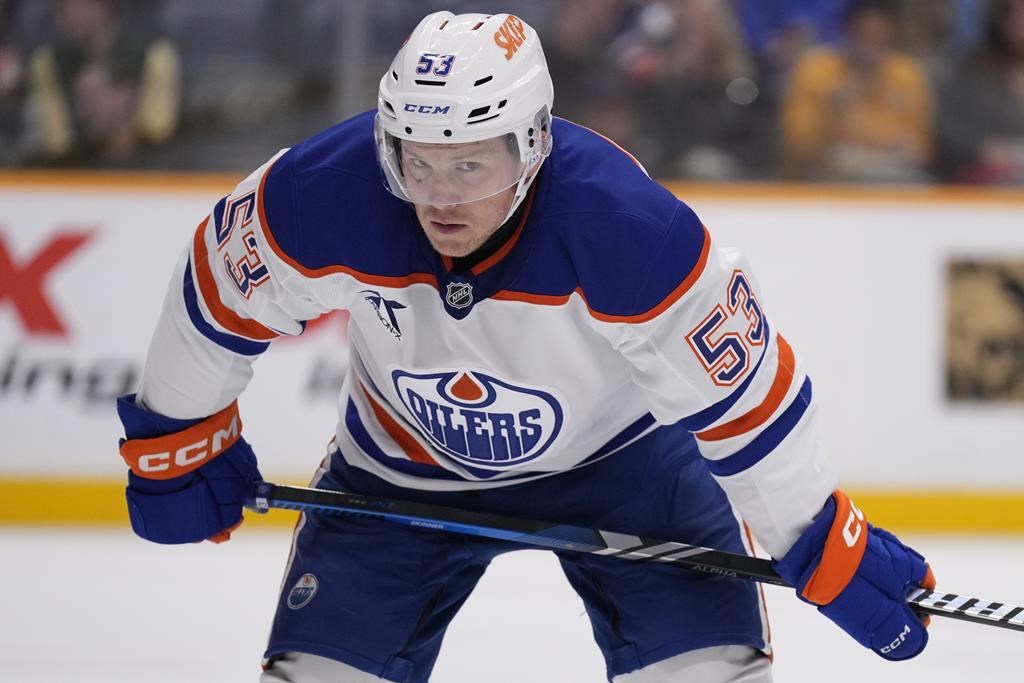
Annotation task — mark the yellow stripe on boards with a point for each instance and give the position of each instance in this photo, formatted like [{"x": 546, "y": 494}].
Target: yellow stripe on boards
[
  {"x": 945, "y": 511},
  {"x": 84, "y": 502},
  {"x": 100, "y": 502}
]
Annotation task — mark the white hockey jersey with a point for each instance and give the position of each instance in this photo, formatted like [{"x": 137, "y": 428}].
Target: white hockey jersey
[{"x": 608, "y": 313}]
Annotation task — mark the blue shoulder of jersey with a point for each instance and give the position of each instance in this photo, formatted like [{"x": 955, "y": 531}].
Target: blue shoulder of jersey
[
  {"x": 601, "y": 224},
  {"x": 632, "y": 245},
  {"x": 326, "y": 206}
]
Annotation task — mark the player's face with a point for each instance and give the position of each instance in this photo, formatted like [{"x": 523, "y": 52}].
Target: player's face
[{"x": 441, "y": 177}]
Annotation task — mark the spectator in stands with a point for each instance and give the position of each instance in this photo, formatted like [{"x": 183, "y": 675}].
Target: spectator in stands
[
  {"x": 862, "y": 111},
  {"x": 940, "y": 33},
  {"x": 102, "y": 91},
  {"x": 704, "y": 114},
  {"x": 981, "y": 129},
  {"x": 591, "y": 88},
  {"x": 778, "y": 32},
  {"x": 13, "y": 128}
]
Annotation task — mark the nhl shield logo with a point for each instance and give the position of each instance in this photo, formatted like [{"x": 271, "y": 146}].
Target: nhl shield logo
[
  {"x": 460, "y": 294},
  {"x": 303, "y": 591}
]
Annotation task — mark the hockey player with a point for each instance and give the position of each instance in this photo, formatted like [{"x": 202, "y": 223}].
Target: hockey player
[{"x": 537, "y": 328}]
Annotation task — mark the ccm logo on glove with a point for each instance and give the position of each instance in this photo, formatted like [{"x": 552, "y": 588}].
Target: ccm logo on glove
[
  {"x": 896, "y": 643},
  {"x": 859, "y": 575},
  {"x": 170, "y": 456},
  {"x": 853, "y": 528}
]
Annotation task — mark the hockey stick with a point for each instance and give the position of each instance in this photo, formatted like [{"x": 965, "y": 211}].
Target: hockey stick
[{"x": 596, "y": 542}]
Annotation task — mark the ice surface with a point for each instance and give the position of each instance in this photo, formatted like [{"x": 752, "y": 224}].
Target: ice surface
[{"x": 86, "y": 606}]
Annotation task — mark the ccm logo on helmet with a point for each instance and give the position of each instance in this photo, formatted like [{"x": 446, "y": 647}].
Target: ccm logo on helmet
[
  {"x": 510, "y": 36},
  {"x": 427, "y": 108}
]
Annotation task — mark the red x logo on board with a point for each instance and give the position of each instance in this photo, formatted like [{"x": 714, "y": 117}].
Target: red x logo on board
[{"x": 23, "y": 284}]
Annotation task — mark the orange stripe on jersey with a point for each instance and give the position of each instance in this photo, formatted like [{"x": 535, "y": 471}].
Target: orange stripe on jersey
[
  {"x": 511, "y": 242},
  {"x": 759, "y": 415},
  {"x": 539, "y": 299},
  {"x": 365, "y": 278},
  {"x": 170, "y": 456},
  {"x": 844, "y": 548},
  {"x": 674, "y": 295},
  {"x": 225, "y": 317},
  {"x": 409, "y": 444}
]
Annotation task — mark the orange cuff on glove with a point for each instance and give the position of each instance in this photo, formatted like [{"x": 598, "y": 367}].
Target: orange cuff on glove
[
  {"x": 170, "y": 456},
  {"x": 844, "y": 549}
]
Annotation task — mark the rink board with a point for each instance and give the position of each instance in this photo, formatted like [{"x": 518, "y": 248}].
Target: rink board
[{"x": 857, "y": 279}]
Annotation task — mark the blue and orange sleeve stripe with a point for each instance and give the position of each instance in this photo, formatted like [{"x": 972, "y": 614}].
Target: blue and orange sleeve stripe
[
  {"x": 231, "y": 331},
  {"x": 759, "y": 415},
  {"x": 768, "y": 440}
]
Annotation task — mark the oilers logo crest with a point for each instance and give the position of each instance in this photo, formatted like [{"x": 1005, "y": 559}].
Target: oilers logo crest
[
  {"x": 479, "y": 420},
  {"x": 303, "y": 591}
]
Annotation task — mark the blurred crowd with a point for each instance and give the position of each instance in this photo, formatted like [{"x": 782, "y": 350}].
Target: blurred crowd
[{"x": 880, "y": 91}]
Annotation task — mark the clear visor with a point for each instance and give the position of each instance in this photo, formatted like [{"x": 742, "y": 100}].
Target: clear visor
[{"x": 443, "y": 174}]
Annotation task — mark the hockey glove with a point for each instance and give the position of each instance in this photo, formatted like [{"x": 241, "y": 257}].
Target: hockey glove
[
  {"x": 859, "y": 576},
  {"x": 188, "y": 478}
]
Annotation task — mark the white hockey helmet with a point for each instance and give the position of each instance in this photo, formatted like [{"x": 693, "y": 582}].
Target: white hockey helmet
[{"x": 459, "y": 79}]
